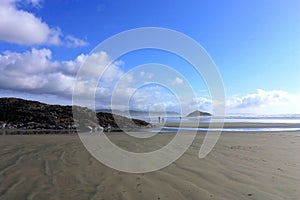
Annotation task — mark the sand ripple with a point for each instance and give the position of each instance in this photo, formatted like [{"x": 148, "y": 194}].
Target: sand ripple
[{"x": 241, "y": 166}]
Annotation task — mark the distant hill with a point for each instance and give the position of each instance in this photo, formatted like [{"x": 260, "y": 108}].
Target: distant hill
[
  {"x": 136, "y": 113},
  {"x": 18, "y": 113},
  {"x": 198, "y": 113}
]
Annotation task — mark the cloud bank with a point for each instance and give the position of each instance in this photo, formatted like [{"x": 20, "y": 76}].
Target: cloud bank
[
  {"x": 265, "y": 102},
  {"x": 24, "y": 28},
  {"x": 34, "y": 72}
]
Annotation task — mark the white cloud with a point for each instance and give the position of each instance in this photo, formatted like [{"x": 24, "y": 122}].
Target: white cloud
[
  {"x": 35, "y": 72},
  {"x": 72, "y": 41},
  {"x": 24, "y": 28},
  {"x": 261, "y": 102},
  {"x": 32, "y": 62},
  {"x": 265, "y": 102},
  {"x": 202, "y": 103},
  {"x": 153, "y": 98},
  {"x": 177, "y": 81}
]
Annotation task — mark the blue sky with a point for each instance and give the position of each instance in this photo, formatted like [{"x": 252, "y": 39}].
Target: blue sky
[{"x": 255, "y": 45}]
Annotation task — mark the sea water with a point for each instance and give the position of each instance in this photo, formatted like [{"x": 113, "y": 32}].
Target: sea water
[{"x": 292, "y": 122}]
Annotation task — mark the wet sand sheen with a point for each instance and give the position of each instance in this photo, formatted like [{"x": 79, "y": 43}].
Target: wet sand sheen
[
  {"x": 234, "y": 125},
  {"x": 241, "y": 166}
]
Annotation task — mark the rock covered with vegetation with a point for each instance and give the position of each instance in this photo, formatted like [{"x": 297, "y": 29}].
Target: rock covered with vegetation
[
  {"x": 18, "y": 113},
  {"x": 198, "y": 113}
]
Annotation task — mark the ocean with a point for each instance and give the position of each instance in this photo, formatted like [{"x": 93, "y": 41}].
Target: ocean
[{"x": 257, "y": 122}]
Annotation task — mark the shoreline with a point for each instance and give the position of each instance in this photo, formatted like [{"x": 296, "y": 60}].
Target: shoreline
[{"x": 232, "y": 125}]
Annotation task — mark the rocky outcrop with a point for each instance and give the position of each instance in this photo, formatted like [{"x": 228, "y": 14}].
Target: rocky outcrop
[
  {"x": 18, "y": 113},
  {"x": 198, "y": 113}
]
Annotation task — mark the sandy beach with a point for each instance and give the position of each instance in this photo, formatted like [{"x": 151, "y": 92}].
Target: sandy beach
[{"x": 243, "y": 165}]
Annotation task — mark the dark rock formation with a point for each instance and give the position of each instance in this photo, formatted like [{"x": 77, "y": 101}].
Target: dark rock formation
[
  {"x": 198, "y": 113},
  {"x": 18, "y": 113}
]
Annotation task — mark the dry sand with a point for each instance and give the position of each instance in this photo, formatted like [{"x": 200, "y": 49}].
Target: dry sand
[{"x": 241, "y": 166}]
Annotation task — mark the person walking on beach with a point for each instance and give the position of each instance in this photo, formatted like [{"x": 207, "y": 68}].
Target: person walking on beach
[
  {"x": 108, "y": 128},
  {"x": 158, "y": 119}
]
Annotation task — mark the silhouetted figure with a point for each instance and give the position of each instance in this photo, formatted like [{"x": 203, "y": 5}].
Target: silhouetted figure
[
  {"x": 108, "y": 128},
  {"x": 158, "y": 119}
]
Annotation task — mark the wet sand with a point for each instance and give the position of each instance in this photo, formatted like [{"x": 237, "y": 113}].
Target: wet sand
[
  {"x": 233, "y": 125},
  {"x": 243, "y": 165}
]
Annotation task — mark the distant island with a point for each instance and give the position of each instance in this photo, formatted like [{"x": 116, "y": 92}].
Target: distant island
[
  {"x": 198, "y": 113},
  {"x": 16, "y": 113}
]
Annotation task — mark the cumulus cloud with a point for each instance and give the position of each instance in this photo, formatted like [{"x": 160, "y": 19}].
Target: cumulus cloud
[
  {"x": 21, "y": 27},
  {"x": 153, "y": 98},
  {"x": 202, "y": 103},
  {"x": 35, "y": 72},
  {"x": 265, "y": 102},
  {"x": 261, "y": 102}
]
